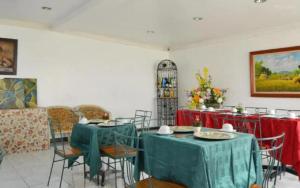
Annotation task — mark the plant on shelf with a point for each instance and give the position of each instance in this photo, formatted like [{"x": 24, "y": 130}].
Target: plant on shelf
[{"x": 205, "y": 93}]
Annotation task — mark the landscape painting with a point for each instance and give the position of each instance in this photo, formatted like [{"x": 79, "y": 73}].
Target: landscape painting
[{"x": 275, "y": 73}]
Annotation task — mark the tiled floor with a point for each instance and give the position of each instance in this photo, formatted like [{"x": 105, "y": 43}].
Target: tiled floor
[{"x": 31, "y": 170}]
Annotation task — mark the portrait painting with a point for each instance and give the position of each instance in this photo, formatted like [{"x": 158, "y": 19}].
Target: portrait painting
[{"x": 8, "y": 56}]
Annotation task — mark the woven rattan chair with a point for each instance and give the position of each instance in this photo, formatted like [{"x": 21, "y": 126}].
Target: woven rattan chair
[
  {"x": 92, "y": 112},
  {"x": 129, "y": 147},
  {"x": 65, "y": 116}
]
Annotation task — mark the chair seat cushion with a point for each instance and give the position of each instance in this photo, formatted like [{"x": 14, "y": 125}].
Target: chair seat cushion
[
  {"x": 157, "y": 184},
  {"x": 69, "y": 152},
  {"x": 118, "y": 151}
]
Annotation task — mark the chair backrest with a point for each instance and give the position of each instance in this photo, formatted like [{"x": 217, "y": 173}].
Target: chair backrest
[
  {"x": 57, "y": 135},
  {"x": 228, "y": 107},
  {"x": 217, "y": 119},
  {"x": 256, "y": 110},
  {"x": 271, "y": 152},
  {"x": 92, "y": 112},
  {"x": 281, "y": 112},
  {"x": 65, "y": 116},
  {"x": 242, "y": 124},
  {"x": 297, "y": 112},
  {"x": 142, "y": 119},
  {"x": 190, "y": 118}
]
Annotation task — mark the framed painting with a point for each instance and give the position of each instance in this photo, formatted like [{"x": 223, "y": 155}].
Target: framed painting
[
  {"x": 275, "y": 72},
  {"x": 8, "y": 56}
]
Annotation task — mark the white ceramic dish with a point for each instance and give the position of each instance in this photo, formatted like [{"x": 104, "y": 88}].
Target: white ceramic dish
[
  {"x": 215, "y": 135},
  {"x": 183, "y": 129},
  {"x": 225, "y": 130},
  {"x": 171, "y": 132}
]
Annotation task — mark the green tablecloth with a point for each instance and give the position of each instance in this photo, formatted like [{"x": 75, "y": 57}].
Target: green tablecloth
[
  {"x": 90, "y": 138},
  {"x": 201, "y": 163}
]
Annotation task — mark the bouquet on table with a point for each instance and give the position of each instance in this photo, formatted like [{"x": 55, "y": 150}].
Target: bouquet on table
[{"x": 205, "y": 93}]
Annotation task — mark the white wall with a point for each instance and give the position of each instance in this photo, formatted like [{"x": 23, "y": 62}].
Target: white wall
[
  {"x": 74, "y": 70},
  {"x": 228, "y": 62}
]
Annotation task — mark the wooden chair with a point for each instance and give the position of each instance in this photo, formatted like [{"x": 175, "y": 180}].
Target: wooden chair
[
  {"x": 130, "y": 150},
  {"x": 62, "y": 150},
  {"x": 140, "y": 121},
  {"x": 271, "y": 152}
]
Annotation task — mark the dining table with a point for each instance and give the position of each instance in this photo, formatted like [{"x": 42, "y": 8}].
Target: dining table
[
  {"x": 91, "y": 137},
  {"x": 204, "y": 163},
  {"x": 270, "y": 126}
]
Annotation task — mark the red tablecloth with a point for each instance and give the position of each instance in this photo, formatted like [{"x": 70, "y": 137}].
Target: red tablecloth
[{"x": 270, "y": 127}]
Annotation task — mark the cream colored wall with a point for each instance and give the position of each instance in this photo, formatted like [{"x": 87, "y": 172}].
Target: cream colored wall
[
  {"x": 228, "y": 62},
  {"x": 74, "y": 70}
]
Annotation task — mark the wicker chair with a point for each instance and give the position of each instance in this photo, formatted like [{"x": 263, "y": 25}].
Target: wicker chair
[
  {"x": 65, "y": 116},
  {"x": 92, "y": 112}
]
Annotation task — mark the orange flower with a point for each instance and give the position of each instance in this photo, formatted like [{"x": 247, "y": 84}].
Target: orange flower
[
  {"x": 217, "y": 91},
  {"x": 196, "y": 98}
]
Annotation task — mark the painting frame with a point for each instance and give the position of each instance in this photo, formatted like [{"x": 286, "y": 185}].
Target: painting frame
[
  {"x": 12, "y": 69},
  {"x": 253, "y": 87}
]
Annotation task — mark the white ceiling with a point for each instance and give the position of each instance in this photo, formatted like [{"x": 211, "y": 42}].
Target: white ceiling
[{"x": 171, "y": 20}]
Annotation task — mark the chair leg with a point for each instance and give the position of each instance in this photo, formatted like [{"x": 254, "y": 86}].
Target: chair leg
[
  {"x": 62, "y": 173},
  {"x": 103, "y": 178},
  {"x": 116, "y": 186},
  {"x": 51, "y": 169},
  {"x": 84, "y": 168}
]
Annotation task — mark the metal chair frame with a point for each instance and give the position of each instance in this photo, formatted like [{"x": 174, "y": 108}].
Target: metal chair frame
[
  {"x": 243, "y": 125},
  {"x": 57, "y": 151},
  {"x": 129, "y": 160},
  {"x": 273, "y": 155},
  {"x": 285, "y": 111},
  {"x": 257, "y": 110},
  {"x": 189, "y": 118},
  {"x": 141, "y": 121}
]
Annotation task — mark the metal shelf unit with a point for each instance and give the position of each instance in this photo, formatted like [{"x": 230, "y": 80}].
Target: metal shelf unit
[{"x": 167, "y": 92}]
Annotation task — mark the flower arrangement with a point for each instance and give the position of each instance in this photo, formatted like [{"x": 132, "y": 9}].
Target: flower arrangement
[{"x": 205, "y": 94}]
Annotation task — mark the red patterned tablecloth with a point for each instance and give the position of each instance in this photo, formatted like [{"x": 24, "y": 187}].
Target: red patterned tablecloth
[{"x": 270, "y": 127}]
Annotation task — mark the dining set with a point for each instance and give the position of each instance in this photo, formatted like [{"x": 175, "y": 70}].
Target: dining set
[
  {"x": 183, "y": 155},
  {"x": 261, "y": 122}
]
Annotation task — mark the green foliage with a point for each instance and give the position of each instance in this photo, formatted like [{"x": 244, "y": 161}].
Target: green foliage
[{"x": 261, "y": 69}]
